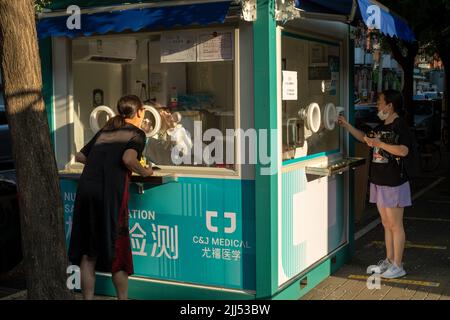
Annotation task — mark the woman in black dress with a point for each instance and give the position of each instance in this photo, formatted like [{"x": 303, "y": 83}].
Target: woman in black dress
[{"x": 100, "y": 238}]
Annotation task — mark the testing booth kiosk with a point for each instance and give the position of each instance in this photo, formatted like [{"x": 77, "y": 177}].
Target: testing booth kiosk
[{"x": 261, "y": 206}]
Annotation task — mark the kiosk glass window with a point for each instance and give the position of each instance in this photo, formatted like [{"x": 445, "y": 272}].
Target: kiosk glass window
[
  {"x": 187, "y": 76},
  {"x": 310, "y": 108}
]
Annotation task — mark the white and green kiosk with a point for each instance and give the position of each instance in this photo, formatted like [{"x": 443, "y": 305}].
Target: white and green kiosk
[{"x": 272, "y": 227}]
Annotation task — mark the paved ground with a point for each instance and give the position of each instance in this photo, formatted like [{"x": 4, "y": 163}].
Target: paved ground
[
  {"x": 427, "y": 255},
  {"x": 22, "y": 295},
  {"x": 12, "y": 282},
  {"x": 13, "y": 286}
]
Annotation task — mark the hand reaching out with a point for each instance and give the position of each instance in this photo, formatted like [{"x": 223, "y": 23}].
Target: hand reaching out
[{"x": 343, "y": 122}]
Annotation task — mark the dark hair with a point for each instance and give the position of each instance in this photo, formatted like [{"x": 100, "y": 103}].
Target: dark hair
[
  {"x": 396, "y": 98},
  {"x": 127, "y": 108}
]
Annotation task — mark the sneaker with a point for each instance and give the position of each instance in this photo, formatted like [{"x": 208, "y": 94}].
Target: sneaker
[
  {"x": 394, "y": 272},
  {"x": 384, "y": 265}
]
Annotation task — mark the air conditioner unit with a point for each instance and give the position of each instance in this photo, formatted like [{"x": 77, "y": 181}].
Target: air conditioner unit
[{"x": 121, "y": 51}]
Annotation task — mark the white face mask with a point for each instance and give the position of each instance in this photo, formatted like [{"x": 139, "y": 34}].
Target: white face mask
[{"x": 383, "y": 115}]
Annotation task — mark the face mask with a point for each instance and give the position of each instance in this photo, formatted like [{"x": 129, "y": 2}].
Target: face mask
[{"x": 383, "y": 115}]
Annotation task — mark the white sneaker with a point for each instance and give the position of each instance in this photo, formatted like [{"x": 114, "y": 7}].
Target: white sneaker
[
  {"x": 384, "y": 265},
  {"x": 394, "y": 272}
]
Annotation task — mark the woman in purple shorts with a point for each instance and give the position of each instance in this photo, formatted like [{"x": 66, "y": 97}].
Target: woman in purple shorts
[{"x": 389, "y": 184}]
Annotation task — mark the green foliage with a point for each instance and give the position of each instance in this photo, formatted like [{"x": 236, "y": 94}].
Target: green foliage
[
  {"x": 430, "y": 21},
  {"x": 39, "y": 5}
]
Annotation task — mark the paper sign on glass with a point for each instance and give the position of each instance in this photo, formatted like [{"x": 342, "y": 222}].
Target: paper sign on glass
[
  {"x": 290, "y": 86},
  {"x": 178, "y": 47},
  {"x": 215, "y": 46}
]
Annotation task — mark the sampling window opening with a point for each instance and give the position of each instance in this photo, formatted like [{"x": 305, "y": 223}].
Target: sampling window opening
[{"x": 311, "y": 72}]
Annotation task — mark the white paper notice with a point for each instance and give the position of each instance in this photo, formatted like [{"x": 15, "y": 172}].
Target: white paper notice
[
  {"x": 215, "y": 46},
  {"x": 178, "y": 47},
  {"x": 290, "y": 86}
]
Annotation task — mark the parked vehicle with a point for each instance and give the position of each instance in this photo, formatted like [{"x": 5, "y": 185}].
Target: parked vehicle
[
  {"x": 427, "y": 119},
  {"x": 10, "y": 235},
  {"x": 5, "y": 138},
  {"x": 428, "y": 95},
  {"x": 366, "y": 117}
]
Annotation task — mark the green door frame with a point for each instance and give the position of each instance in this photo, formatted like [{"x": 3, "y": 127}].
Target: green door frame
[{"x": 266, "y": 186}]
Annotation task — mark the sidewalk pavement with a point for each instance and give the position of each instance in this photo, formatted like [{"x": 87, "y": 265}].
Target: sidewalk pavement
[{"x": 22, "y": 295}]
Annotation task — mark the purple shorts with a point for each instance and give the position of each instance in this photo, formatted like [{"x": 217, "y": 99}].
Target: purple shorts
[{"x": 391, "y": 197}]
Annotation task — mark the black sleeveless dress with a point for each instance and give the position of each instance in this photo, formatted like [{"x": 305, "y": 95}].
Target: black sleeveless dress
[{"x": 100, "y": 218}]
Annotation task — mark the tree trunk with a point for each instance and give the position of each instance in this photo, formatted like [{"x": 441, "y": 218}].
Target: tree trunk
[
  {"x": 41, "y": 210},
  {"x": 407, "y": 63}
]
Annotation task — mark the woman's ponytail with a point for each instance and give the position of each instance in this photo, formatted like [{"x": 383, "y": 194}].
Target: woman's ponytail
[
  {"x": 114, "y": 123},
  {"x": 127, "y": 108}
]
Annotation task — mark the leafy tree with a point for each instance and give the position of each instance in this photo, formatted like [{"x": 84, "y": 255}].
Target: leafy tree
[
  {"x": 430, "y": 21},
  {"x": 39, "y": 5}
]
